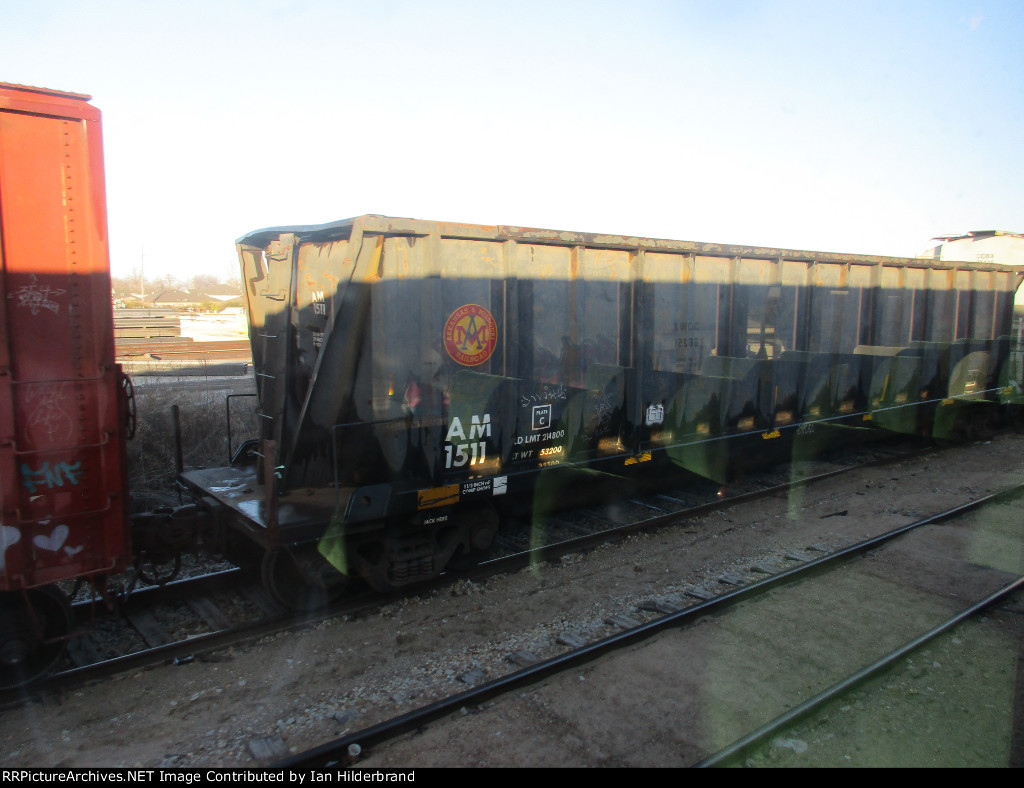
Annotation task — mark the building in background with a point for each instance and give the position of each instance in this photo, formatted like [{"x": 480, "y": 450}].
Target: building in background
[{"x": 982, "y": 246}]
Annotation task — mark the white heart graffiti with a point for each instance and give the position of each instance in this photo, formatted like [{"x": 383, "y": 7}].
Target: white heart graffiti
[
  {"x": 55, "y": 541},
  {"x": 9, "y": 536}
]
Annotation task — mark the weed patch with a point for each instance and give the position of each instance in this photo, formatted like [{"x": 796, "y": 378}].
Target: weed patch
[{"x": 202, "y": 415}]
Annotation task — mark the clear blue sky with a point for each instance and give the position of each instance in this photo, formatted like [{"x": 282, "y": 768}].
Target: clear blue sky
[{"x": 855, "y": 126}]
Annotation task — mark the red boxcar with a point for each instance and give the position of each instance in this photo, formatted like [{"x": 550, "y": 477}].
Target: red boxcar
[{"x": 63, "y": 490}]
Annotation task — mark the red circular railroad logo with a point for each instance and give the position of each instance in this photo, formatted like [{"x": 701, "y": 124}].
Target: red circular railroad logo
[{"x": 470, "y": 335}]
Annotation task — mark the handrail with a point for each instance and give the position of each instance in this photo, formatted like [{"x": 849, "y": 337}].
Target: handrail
[
  {"x": 52, "y": 381},
  {"x": 65, "y": 517},
  {"x": 26, "y": 452}
]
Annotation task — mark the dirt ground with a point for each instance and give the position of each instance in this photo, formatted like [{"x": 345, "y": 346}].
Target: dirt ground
[{"x": 293, "y": 691}]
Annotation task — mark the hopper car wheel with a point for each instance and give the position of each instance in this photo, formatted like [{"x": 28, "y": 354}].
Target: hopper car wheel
[
  {"x": 301, "y": 579},
  {"x": 157, "y": 573},
  {"x": 481, "y": 526},
  {"x": 33, "y": 632}
]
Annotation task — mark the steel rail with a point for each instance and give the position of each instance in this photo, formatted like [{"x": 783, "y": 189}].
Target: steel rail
[
  {"x": 556, "y": 549},
  {"x": 198, "y": 647},
  {"x": 348, "y": 748},
  {"x": 754, "y": 738}
]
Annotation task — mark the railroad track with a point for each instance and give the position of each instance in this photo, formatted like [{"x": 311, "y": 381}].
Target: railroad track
[
  {"x": 197, "y": 617},
  {"x": 176, "y": 623},
  {"x": 224, "y": 350},
  {"x": 584, "y": 527},
  {"x": 360, "y": 670},
  {"x": 671, "y": 638}
]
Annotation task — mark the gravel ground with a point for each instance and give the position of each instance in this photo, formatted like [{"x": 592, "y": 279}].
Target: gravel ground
[{"x": 290, "y": 692}]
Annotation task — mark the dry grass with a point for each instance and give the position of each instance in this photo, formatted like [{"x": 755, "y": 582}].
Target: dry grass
[{"x": 202, "y": 414}]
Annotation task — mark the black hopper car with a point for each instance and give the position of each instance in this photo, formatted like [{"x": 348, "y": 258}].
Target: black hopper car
[{"x": 417, "y": 380}]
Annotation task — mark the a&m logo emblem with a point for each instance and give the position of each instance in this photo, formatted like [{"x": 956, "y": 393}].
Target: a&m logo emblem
[{"x": 470, "y": 335}]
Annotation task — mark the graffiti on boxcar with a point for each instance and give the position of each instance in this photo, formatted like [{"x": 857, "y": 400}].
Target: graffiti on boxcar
[
  {"x": 48, "y": 416},
  {"x": 55, "y": 541},
  {"x": 51, "y": 476},
  {"x": 33, "y": 297},
  {"x": 9, "y": 536},
  {"x": 547, "y": 394},
  {"x": 599, "y": 420}
]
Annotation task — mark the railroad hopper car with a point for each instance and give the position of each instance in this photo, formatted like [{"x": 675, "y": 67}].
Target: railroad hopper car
[
  {"x": 417, "y": 379},
  {"x": 63, "y": 409}
]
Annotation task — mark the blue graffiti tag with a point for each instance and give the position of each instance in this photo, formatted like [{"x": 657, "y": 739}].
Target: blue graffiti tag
[{"x": 51, "y": 477}]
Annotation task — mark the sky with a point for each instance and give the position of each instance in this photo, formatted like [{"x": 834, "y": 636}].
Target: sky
[{"x": 834, "y": 125}]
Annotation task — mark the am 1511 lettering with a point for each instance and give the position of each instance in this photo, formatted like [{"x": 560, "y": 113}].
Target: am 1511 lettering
[{"x": 474, "y": 451}]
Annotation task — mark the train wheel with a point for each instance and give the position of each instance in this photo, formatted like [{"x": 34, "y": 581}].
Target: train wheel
[
  {"x": 301, "y": 579},
  {"x": 481, "y": 524},
  {"x": 157, "y": 573},
  {"x": 33, "y": 633}
]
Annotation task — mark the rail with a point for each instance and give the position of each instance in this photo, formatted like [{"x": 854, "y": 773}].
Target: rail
[
  {"x": 349, "y": 747},
  {"x": 758, "y": 736}
]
